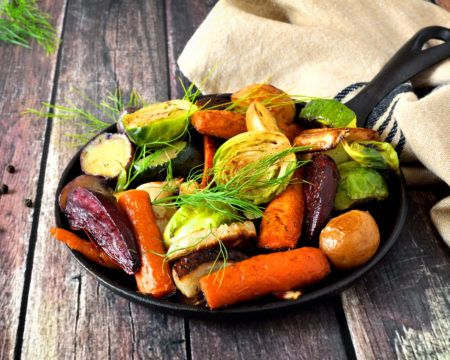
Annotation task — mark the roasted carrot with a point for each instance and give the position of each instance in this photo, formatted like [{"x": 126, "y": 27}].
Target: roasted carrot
[
  {"x": 290, "y": 130},
  {"x": 220, "y": 123},
  {"x": 264, "y": 274},
  {"x": 154, "y": 277},
  {"x": 85, "y": 247},
  {"x": 210, "y": 149},
  {"x": 281, "y": 225}
]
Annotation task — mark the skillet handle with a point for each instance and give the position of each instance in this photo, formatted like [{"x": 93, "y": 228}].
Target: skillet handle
[{"x": 407, "y": 62}]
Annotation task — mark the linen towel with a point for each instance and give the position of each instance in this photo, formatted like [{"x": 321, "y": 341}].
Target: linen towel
[{"x": 331, "y": 49}]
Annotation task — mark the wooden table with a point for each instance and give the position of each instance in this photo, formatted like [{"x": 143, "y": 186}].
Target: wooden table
[{"x": 52, "y": 309}]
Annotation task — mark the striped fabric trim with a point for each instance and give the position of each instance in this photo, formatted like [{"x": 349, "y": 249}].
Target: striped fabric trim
[{"x": 382, "y": 117}]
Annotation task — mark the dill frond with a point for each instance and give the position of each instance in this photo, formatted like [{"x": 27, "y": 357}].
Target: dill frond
[{"x": 22, "y": 20}]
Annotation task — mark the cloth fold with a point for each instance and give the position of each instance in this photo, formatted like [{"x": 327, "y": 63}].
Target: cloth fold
[{"x": 328, "y": 49}]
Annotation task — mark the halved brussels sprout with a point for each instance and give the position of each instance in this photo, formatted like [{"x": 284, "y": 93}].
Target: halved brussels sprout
[
  {"x": 161, "y": 122},
  {"x": 376, "y": 154},
  {"x": 189, "y": 219},
  {"x": 234, "y": 159},
  {"x": 328, "y": 112},
  {"x": 358, "y": 184}
]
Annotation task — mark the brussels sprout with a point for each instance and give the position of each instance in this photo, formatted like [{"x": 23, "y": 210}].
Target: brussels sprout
[
  {"x": 358, "y": 184},
  {"x": 161, "y": 122},
  {"x": 376, "y": 154},
  {"x": 190, "y": 218},
  {"x": 241, "y": 160},
  {"x": 329, "y": 113}
]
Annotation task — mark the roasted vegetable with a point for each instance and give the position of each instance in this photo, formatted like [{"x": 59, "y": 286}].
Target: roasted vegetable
[
  {"x": 85, "y": 247},
  {"x": 258, "y": 118},
  {"x": 125, "y": 111},
  {"x": 92, "y": 182},
  {"x": 281, "y": 225},
  {"x": 188, "y": 270},
  {"x": 216, "y": 102},
  {"x": 158, "y": 123},
  {"x": 328, "y": 138},
  {"x": 219, "y": 123},
  {"x": 358, "y": 185},
  {"x": 328, "y": 112},
  {"x": 277, "y": 102},
  {"x": 182, "y": 156},
  {"x": 350, "y": 240},
  {"x": 322, "y": 179},
  {"x": 189, "y": 219},
  {"x": 235, "y": 235},
  {"x": 375, "y": 154},
  {"x": 264, "y": 274},
  {"x": 107, "y": 226},
  {"x": 209, "y": 149},
  {"x": 338, "y": 154},
  {"x": 154, "y": 276},
  {"x": 238, "y": 153},
  {"x": 107, "y": 155}
]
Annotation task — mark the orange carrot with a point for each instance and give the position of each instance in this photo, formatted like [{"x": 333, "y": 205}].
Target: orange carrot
[
  {"x": 210, "y": 149},
  {"x": 264, "y": 274},
  {"x": 85, "y": 247},
  {"x": 281, "y": 225},
  {"x": 220, "y": 123},
  {"x": 155, "y": 276}
]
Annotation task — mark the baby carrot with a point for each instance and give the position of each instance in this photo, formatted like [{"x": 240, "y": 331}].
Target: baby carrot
[
  {"x": 210, "y": 149},
  {"x": 87, "y": 248},
  {"x": 264, "y": 274},
  {"x": 154, "y": 277},
  {"x": 220, "y": 123},
  {"x": 281, "y": 225}
]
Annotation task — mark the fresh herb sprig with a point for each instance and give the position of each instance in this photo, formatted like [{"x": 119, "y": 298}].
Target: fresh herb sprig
[
  {"x": 22, "y": 20},
  {"x": 91, "y": 124},
  {"x": 233, "y": 192}
]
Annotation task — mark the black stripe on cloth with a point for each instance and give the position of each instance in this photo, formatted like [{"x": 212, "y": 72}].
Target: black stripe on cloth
[
  {"x": 384, "y": 104},
  {"x": 386, "y": 122},
  {"x": 401, "y": 143},
  {"x": 344, "y": 92},
  {"x": 393, "y": 130}
]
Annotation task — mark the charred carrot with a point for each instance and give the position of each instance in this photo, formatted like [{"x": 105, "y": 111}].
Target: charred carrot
[
  {"x": 264, "y": 274},
  {"x": 85, "y": 247},
  {"x": 219, "y": 123},
  {"x": 210, "y": 149},
  {"x": 281, "y": 225},
  {"x": 154, "y": 277}
]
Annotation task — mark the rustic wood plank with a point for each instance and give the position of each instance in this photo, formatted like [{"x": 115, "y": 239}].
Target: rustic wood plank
[
  {"x": 22, "y": 72},
  {"x": 401, "y": 308},
  {"x": 70, "y": 315},
  {"x": 313, "y": 333},
  {"x": 310, "y": 334}
]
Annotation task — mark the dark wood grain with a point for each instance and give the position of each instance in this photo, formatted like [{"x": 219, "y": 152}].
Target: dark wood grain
[
  {"x": 312, "y": 333},
  {"x": 69, "y": 315},
  {"x": 401, "y": 308},
  {"x": 26, "y": 78}
]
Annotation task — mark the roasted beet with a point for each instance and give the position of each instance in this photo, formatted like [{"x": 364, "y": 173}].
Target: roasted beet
[
  {"x": 92, "y": 182},
  {"x": 320, "y": 190},
  {"x": 107, "y": 226},
  {"x": 217, "y": 101}
]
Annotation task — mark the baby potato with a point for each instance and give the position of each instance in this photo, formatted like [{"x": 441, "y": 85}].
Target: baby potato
[
  {"x": 264, "y": 92},
  {"x": 350, "y": 240}
]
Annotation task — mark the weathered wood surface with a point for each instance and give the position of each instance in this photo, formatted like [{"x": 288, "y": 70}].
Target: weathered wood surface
[
  {"x": 26, "y": 78},
  {"x": 69, "y": 315},
  {"x": 401, "y": 309}
]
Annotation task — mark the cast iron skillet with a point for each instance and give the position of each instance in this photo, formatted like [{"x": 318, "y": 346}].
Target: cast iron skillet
[{"x": 390, "y": 214}]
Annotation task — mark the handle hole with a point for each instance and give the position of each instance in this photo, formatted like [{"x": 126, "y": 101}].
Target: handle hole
[{"x": 432, "y": 43}]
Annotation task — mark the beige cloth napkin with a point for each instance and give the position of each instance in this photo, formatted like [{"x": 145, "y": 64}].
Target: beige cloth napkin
[{"x": 319, "y": 48}]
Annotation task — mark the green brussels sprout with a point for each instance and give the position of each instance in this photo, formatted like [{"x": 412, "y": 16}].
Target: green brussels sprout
[
  {"x": 249, "y": 160},
  {"x": 358, "y": 184},
  {"x": 189, "y": 219},
  {"x": 161, "y": 122},
  {"x": 376, "y": 154},
  {"x": 329, "y": 113}
]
